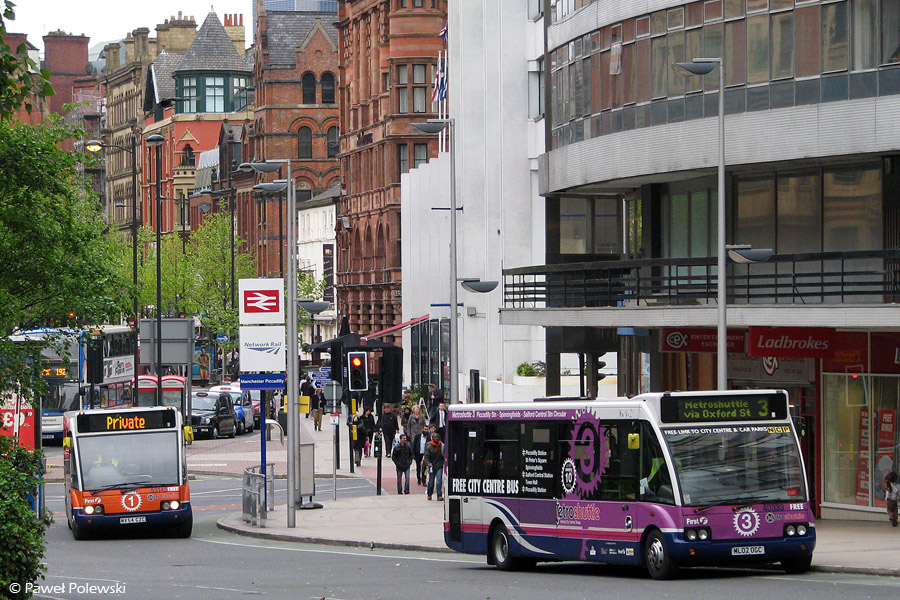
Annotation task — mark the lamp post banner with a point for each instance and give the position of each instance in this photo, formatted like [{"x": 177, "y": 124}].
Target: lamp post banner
[
  {"x": 262, "y": 348},
  {"x": 261, "y": 301}
]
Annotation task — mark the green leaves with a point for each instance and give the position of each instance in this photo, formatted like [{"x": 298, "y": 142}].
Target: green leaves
[{"x": 20, "y": 77}]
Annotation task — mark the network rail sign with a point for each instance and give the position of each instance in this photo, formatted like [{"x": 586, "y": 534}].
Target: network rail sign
[{"x": 261, "y": 301}]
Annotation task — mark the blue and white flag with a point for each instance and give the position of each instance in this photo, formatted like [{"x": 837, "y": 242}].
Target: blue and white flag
[{"x": 443, "y": 32}]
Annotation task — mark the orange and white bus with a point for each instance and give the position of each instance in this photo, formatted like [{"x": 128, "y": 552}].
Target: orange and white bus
[{"x": 126, "y": 468}]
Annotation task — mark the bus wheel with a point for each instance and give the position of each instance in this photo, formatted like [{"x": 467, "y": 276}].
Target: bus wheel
[
  {"x": 796, "y": 566},
  {"x": 183, "y": 530},
  {"x": 78, "y": 533},
  {"x": 498, "y": 547},
  {"x": 656, "y": 558}
]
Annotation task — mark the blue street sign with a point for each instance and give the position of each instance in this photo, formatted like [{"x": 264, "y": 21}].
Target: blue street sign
[
  {"x": 262, "y": 381},
  {"x": 222, "y": 338},
  {"x": 320, "y": 378}
]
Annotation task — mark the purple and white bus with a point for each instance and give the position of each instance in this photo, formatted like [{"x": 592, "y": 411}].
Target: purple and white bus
[{"x": 659, "y": 480}]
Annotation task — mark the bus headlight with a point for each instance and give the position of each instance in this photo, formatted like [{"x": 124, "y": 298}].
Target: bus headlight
[
  {"x": 802, "y": 529},
  {"x": 690, "y": 535},
  {"x": 93, "y": 509},
  {"x": 790, "y": 531},
  {"x": 703, "y": 534},
  {"x": 88, "y": 510},
  {"x": 174, "y": 505}
]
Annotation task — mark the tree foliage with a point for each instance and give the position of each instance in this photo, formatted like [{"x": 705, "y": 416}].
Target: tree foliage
[
  {"x": 57, "y": 266},
  {"x": 22, "y": 532},
  {"x": 20, "y": 77}
]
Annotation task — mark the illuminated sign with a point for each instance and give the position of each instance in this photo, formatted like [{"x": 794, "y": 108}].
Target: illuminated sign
[
  {"x": 716, "y": 409},
  {"x": 126, "y": 420},
  {"x": 54, "y": 369}
]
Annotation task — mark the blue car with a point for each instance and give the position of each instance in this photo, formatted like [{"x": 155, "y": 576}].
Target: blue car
[{"x": 243, "y": 406}]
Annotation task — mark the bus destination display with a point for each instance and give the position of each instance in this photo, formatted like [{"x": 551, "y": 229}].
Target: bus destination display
[
  {"x": 126, "y": 421},
  {"x": 712, "y": 409}
]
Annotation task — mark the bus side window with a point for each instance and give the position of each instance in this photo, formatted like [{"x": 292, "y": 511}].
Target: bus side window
[{"x": 655, "y": 483}]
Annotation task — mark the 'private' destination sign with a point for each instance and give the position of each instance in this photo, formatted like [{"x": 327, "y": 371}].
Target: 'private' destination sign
[{"x": 716, "y": 409}]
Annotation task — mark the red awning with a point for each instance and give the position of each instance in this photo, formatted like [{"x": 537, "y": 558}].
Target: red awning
[{"x": 399, "y": 327}]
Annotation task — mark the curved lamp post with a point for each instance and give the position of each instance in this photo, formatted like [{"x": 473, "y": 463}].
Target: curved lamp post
[
  {"x": 95, "y": 146},
  {"x": 703, "y": 66},
  {"x": 292, "y": 375},
  {"x": 156, "y": 141}
]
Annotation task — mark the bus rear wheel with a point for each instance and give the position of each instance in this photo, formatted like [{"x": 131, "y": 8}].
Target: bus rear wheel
[{"x": 658, "y": 562}]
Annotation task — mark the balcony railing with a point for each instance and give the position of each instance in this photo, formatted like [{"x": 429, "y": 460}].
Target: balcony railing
[{"x": 859, "y": 277}]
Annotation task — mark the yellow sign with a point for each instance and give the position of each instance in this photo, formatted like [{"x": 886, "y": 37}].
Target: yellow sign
[{"x": 304, "y": 404}]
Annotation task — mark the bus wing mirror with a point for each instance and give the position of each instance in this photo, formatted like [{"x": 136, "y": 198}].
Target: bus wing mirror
[{"x": 634, "y": 441}]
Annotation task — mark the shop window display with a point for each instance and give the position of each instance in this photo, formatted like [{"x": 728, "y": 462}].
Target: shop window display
[{"x": 860, "y": 437}]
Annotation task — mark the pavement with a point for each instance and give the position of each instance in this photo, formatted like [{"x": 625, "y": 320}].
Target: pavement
[{"x": 412, "y": 522}]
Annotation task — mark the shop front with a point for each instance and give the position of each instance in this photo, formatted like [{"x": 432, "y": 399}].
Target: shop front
[{"x": 844, "y": 388}]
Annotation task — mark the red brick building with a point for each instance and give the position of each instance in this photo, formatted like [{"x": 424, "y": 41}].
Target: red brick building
[
  {"x": 389, "y": 51},
  {"x": 39, "y": 106},
  {"x": 295, "y": 116}
]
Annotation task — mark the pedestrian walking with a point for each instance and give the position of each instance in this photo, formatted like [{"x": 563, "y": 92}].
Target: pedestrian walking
[
  {"x": 388, "y": 425},
  {"x": 402, "y": 455},
  {"x": 306, "y": 389},
  {"x": 434, "y": 458},
  {"x": 420, "y": 444},
  {"x": 362, "y": 437},
  {"x": 368, "y": 421},
  {"x": 440, "y": 420},
  {"x": 416, "y": 423},
  {"x": 317, "y": 403},
  {"x": 892, "y": 495}
]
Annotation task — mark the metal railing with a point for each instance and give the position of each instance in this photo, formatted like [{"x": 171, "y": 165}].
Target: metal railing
[
  {"x": 258, "y": 494},
  {"x": 859, "y": 277}
]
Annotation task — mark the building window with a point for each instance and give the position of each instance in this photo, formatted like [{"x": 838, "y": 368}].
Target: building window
[
  {"x": 239, "y": 93},
  {"x": 308, "y": 84},
  {"x": 189, "y": 158},
  {"x": 215, "y": 94},
  {"x": 835, "y": 49},
  {"x": 327, "y": 88},
  {"x": 420, "y": 154},
  {"x": 189, "y": 93},
  {"x": 402, "y": 81},
  {"x": 334, "y": 144},
  {"x": 304, "y": 142},
  {"x": 403, "y": 158},
  {"x": 536, "y": 91},
  {"x": 419, "y": 88}
]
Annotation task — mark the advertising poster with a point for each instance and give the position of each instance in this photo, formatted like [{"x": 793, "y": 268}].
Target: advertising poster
[
  {"x": 884, "y": 455},
  {"x": 17, "y": 420},
  {"x": 862, "y": 464}
]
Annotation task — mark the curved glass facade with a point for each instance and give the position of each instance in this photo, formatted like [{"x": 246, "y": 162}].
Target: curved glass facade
[{"x": 777, "y": 54}]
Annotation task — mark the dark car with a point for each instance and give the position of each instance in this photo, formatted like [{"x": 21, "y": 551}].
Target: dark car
[{"x": 212, "y": 414}]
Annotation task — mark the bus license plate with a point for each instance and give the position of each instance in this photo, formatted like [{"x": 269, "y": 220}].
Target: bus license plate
[
  {"x": 125, "y": 520},
  {"x": 747, "y": 550}
]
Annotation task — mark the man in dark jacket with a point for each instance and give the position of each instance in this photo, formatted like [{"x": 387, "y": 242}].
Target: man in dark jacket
[
  {"x": 419, "y": 445},
  {"x": 434, "y": 459},
  {"x": 403, "y": 458},
  {"x": 388, "y": 425}
]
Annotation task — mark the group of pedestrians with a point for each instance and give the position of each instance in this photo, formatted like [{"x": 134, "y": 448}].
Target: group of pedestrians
[{"x": 426, "y": 450}]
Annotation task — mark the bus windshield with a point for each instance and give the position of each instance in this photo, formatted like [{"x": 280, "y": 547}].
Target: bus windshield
[
  {"x": 129, "y": 460},
  {"x": 734, "y": 465},
  {"x": 61, "y": 397}
]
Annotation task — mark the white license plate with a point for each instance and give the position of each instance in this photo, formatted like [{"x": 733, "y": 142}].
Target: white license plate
[
  {"x": 124, "y": 520},
  {"x": 747, "y": 550}
]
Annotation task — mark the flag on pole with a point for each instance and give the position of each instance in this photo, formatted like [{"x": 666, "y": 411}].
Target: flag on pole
[
  {"x": 438, "y": 80},
  {"x": 443, "y": 32}
]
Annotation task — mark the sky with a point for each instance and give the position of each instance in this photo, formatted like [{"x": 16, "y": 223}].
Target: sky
[{"x": 109, "y": 20}]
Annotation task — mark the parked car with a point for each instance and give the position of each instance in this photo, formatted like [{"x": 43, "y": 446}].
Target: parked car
[
  {"x": 212, "y": 414},
  {"x": 243, "y": 406}
]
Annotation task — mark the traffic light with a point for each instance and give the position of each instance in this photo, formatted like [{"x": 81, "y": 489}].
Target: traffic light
[
  {"x": 600, "y": 364},
  {"x": 359, "y": 371}
]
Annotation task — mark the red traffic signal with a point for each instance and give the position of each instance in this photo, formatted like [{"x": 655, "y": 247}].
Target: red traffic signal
[
  {"x": 356, "y": 362},
  {"x": 359, "y": 371}
]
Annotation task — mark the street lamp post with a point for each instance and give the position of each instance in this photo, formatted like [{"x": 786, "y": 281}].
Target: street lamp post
[
  {"x": 702, "y": 66},
  {"x": 96, "y": 146},
  {"x": 433, "y": 126},
  {"x": 156, "y": 141},
  {"x": 292, "y": 375}
]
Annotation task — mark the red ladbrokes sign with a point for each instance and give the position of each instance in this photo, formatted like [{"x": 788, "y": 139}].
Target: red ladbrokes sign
[{"x": 797, "y": 342}]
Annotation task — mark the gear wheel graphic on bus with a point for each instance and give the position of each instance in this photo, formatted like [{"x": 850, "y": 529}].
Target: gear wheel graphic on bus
[{"x": 589, "y": 452}]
